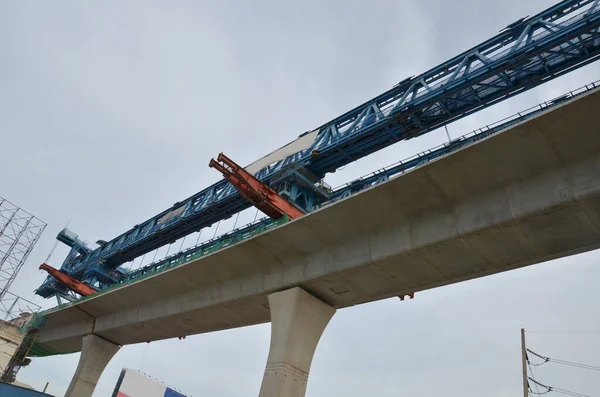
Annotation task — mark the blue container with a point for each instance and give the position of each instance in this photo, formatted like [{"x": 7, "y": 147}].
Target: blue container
[{"x": 7, "y": 390}]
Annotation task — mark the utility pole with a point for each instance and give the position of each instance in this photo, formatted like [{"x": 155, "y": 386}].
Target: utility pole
[{"x": 524, "y": 361}]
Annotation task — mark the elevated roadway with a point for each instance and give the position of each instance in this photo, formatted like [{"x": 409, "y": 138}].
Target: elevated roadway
[{"x": 522, "y": 196}]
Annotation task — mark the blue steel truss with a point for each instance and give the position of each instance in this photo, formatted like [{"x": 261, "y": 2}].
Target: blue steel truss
[
  {"x": 349, "y": 189},
  {"x": 526, "y": 53}
]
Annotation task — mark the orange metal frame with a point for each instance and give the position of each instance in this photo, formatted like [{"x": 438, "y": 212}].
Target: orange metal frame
[
  {"x": 260, "y": 195},
  {"x": 70, "y": 282}
]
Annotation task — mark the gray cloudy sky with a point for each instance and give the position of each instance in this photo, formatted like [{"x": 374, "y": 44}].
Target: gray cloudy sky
[{"x": 110, "y": 112}]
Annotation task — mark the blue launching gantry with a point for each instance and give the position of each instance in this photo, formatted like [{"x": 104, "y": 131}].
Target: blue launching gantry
[{"x": 525, "y": 54}]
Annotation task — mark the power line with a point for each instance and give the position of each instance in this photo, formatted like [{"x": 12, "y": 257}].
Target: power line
[
  {"x": 563, "y": 362},
  {"x": 576, "y": 365},
  {"x": 530, "y": 382},
  {"x": 537, "y": 393},
  {"x": 546, "y": 359},
  {"x": 556, "y": 389},
  {"x": 534, "y": 381},
  {"x": 566, "y": 332},
  {"x": 537, "y": 389}
]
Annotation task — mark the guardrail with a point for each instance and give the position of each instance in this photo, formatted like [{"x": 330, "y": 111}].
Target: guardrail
[{"x": 395, "y": 169}]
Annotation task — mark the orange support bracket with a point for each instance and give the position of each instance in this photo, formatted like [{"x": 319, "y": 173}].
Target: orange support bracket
[
  {"x": 410, "y": 295},
  {"x": 71, "y": 283},
  {"x": 259, "y": 194}
]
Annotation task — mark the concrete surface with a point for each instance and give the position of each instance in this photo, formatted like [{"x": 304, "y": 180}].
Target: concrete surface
[
  {"x": 522, "y": 196},
  {"x": 95, "y": 356},
  {"x": 298, "y": 320},
  {"x": 10, "y": 340}
]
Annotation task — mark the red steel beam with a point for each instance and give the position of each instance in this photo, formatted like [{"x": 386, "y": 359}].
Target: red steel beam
[
  {"x": 260, "y": 195},
  {"x": 71, "y": 283}
]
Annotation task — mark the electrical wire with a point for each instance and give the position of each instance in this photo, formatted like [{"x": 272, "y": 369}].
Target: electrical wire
[
  {"x": 533, "y": 379},
  {"x": 537, "y": 393},
  {"x": 566, "y": 332},
  {"x": 576, "y": 365},
  {"x": 563, "y": 362},
  {"x": 569, "y": 393},
  {"x": 546, "y": 359},
  {"x": 556, "y": 389}
]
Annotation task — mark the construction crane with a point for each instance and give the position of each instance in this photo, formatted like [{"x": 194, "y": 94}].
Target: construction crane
[{"x": 289, "y": 182}]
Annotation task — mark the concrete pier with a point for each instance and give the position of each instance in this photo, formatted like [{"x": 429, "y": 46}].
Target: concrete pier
[
  {"x": 95, "y": 355},
  {"x": 298, "y": 320}
]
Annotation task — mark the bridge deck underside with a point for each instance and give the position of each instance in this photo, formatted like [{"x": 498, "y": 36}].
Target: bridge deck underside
[{"x": 523, "y": 196}]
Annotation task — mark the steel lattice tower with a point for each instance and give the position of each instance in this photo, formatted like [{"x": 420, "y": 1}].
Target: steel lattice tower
[{"x": 19, "y": 231}]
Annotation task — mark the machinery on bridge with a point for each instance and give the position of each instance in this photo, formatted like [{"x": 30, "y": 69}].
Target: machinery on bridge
[
  {"x": 289, "y": 182},
  {"x": 257, "y": 193}
]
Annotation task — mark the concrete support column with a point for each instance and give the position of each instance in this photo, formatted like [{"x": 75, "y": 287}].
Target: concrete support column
[
  {"x": 95, "y": 355},
  {"x": 298, "y": 320}
]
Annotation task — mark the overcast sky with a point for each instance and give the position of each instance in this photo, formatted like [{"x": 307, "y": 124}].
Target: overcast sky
[{"x": 110, "y": 112}]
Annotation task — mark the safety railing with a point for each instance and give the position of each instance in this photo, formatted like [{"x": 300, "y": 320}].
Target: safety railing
[{"x": 495, "y": 127}]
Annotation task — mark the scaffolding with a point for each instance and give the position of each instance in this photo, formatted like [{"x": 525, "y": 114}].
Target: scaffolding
[{"x": 19, "y": 232}]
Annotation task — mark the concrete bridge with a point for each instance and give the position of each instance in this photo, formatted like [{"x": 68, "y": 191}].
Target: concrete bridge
[{"x": 522, "y": 196}]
